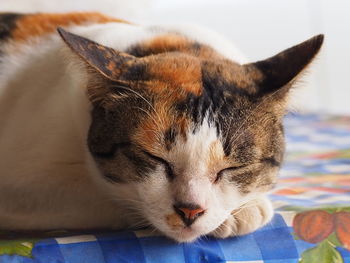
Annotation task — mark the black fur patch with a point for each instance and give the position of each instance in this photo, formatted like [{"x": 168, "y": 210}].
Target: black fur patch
[
  {"x": 107, "y": 61},
  {"x": 219, "y": 99},
  {"x": 168, "y": 168},
  {"x": 143, "y": 165},
  {"x": 136, "y": 72},
  {"x": 271, "y": 161},
  {"x": 112, "y": 178},
  {"x": 111, "y": 152},
  {"x": 243, "y": 147},
  {"x": 280, "y": 69},
  {"x": 243, "y": 179},
  {"x": 7, "y": 23},
  {"x": 169, "y": 137}
]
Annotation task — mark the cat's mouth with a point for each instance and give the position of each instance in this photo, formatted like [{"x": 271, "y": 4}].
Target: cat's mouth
[{"x": 179, "y": 231}]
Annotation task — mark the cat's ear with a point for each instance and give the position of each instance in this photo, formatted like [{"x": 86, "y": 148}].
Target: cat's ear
[
  {"x": 105, "y": 60},
  {"x": 278, "y": 71}
]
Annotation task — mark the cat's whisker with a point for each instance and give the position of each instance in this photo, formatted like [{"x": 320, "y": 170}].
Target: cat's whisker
[
  {"x": 127, "y": 200},
  {"x": 153, "y": 230},
  {"x": 158, "y": 135},
  {"x": 139, "y": 224},
  {"x": 203, "y": 238},
  {"x": 146, "y": 112},
  {"x": 242, "y": 207},
  {"x": 147, "y": 101},
  {"x": 238, "y": 210},
  {"x": 137, "y": 94}
]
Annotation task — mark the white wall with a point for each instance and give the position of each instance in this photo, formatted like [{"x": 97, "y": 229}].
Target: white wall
[{"x": 260, "y": 28}]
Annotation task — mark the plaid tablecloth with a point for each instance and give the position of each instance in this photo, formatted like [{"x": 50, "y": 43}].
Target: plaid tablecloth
[{"x": 311, "y": 224}]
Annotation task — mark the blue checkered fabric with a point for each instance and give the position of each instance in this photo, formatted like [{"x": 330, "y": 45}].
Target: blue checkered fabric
[{"x": 274, "y": 243}]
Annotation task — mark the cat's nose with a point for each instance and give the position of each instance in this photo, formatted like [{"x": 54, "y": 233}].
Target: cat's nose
[{"x": 188, "y": 212}]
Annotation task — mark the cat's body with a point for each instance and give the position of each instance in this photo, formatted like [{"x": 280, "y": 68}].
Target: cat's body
[
  {"x": 44, "y": 123},
  {"x": 60, "y": 164},
  {"x": 45, "y": 116}
]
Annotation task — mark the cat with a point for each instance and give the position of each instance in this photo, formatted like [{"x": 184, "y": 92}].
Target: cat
[{"x": 107, "y": 124}]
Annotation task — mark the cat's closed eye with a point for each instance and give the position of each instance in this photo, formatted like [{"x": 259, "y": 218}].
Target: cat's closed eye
[
  {"x": 168, "y": 167},
  {"x": 221, "y": 173}
]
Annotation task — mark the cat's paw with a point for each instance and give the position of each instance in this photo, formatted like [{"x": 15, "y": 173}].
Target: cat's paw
[{"x": 247, "y": 219}]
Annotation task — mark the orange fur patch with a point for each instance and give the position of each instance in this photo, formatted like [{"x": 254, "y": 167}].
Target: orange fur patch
[
  {"x": 172, "y": 42},
  {"x": 182, "y": 72},
  {"x": 216, "y": 159},
  {"x": 166, "y": 43},
  {"x": 40, "y": 24},
  {"x": 174, "y": 221},
  {"x": 150, "y": 134}
]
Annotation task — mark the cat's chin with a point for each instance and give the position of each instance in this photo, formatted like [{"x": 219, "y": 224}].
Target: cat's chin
[
  {"x": 186, "y": 235},
  {"x": 176, "y": 230}
]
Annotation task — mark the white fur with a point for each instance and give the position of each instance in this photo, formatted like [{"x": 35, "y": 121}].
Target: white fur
[
  {"x": 48, "y": 178},
  {"x": 192, "y": 184}
]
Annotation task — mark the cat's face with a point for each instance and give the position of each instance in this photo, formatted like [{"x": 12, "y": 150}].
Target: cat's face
[
  {"x": 206, "y": 146},
  {"x": 194, "y": 136}
]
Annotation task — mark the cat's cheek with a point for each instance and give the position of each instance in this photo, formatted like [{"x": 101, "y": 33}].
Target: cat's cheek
[
  {"x": 229, "y": 195},
  {"x": 156, "y": 200},
  {"x": 223, "y": 200}
]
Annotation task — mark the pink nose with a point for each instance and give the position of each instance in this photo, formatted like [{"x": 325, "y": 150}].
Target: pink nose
[
  {"x": 188, "y": 212},
  {"x": 191, "y": 213}
]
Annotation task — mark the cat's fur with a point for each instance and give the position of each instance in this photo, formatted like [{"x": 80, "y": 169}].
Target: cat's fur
[{"x": 121, "y": 135}]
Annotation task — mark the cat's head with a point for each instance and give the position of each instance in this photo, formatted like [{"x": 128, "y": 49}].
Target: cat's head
[{"x": 192, "y": 135}]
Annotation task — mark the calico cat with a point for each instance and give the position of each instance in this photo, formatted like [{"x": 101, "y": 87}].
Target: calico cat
[{"x": 106, "y": 124}]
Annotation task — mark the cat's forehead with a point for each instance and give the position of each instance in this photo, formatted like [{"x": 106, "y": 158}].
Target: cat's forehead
[
  {"x": 189, "y": 83},
  {"x": 187, "y": 93},
  {"x": 166, "y": 72},
  {"x": 173, "y": 62}
]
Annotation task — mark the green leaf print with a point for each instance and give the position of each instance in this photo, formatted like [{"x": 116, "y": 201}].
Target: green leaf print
[
  {"x": 323, "y": 253},
  {"x": 16, "y": 247}
]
